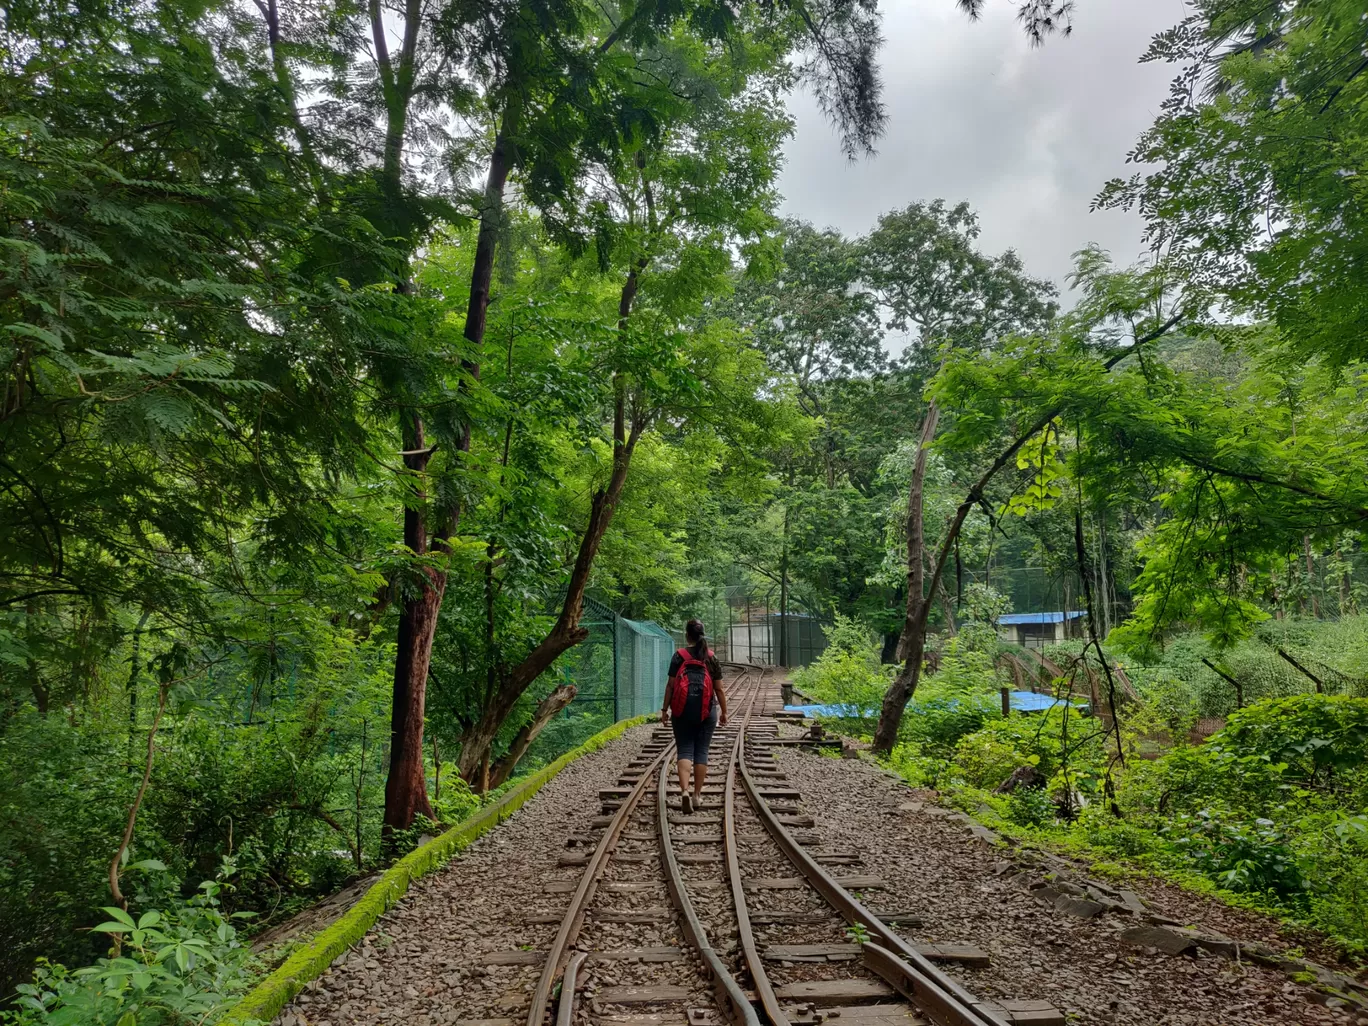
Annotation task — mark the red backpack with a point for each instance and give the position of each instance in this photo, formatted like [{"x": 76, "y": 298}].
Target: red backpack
[{"x": 679, "y": 695}]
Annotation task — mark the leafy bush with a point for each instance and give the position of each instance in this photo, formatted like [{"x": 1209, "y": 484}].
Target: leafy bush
[
  {"x": 456, "y": 802},
  {"x": 1030, "y": 807},
  {"x": 1322, "y": 739},
  {"x": 848, "y": 671},
  {"x": 1332, "y": 853},
  {"x": 1272, "y": 807},
  {"x": 1239, "y": 855},
  {"x": 959, "y": 699},
  {"x": 937, "y": 720},
  {"x": 170, "y": 967},
  {"x": 917, "y": 768}
]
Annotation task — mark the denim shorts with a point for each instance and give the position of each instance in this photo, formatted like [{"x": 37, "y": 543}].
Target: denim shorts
[{"x": 694, "y": 738}]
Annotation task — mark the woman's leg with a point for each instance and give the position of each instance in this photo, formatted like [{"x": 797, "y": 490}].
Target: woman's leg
[
  {"x": 700, "y": 754},
  {"x": 684, "y": 742}
]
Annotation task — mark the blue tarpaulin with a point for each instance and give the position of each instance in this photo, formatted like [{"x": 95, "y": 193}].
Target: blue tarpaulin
[
  {"x": 1022, "y": 701},
  {"x": 1016, "y": 618}
]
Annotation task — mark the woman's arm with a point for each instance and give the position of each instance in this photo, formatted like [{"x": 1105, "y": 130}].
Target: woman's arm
[
  {"x": 665, "y": 707},
  {"x": 722, "y": 697}
]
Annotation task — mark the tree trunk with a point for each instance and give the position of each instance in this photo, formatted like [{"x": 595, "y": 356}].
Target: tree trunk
[
  {"x": 566, "y": 632},
  {"x": 491, "y": 217},
  {"x": 784, "y": 593},
  {"x": 546, "y": 711},
  {"x": 406, "y": 786},
  {"x": 564, "y": 635},
  {"x": 1311, "y": 576},
  {"x": 134, "y": 672},
  {"x": 42, "y": 699},
  {"x": 912, "y": 641}
]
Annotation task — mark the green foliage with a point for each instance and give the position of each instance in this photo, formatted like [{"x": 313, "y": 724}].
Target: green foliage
[
  {"x": 847, "y": 673},
  {"x": 1251, "y": 199},
  {"x": 1320, "y": 740},
  {"x": 456, "y": 802},
  {"x": 1268, "y": 809},
  {"x": 174, "y": 965},
  {"x": 1239, "y": 856},
  {"x": 1030, "y": 807}
]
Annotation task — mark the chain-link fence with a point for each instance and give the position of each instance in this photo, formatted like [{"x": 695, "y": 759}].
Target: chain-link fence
[
  {"x": 743, "y": 626},
  {"x": 644, "y": 649},
  {"x": 620, "y": 668}
]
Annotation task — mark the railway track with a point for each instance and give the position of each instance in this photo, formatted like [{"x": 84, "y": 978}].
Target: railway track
[{"x": 762, "y": 925}]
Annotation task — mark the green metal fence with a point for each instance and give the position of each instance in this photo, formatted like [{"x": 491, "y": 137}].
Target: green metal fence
[
  {"x": 643, "y": 659},
  {"x": 620, "y": 668}
]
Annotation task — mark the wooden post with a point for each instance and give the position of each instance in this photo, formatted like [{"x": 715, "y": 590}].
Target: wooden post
[{"x": 1006, "y": 702}]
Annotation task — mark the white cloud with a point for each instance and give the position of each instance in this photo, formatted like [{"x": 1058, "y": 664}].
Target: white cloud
[{"x": 1026, "y": 135}]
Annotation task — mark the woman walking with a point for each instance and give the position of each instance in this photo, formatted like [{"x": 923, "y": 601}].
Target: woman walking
[{"x": 694, "y": 704}]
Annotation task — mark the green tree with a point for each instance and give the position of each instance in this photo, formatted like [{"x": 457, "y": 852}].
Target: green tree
[{"x": 1255, "y": 196}]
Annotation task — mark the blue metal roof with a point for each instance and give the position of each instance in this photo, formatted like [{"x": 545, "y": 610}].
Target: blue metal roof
[{"x": 1039, "y": 617}]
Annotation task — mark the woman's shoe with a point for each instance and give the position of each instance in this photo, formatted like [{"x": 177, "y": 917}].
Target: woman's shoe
[{"x": 687, "y": 805}]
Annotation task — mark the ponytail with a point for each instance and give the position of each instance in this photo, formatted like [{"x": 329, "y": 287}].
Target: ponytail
[{"x": 693, "y": 631}]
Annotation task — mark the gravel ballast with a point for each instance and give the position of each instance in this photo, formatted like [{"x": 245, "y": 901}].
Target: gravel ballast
[
  {"x": 425, "y": 962},
  {"x": 421, "y": 963},
  {"x": 955, "y": 882}
]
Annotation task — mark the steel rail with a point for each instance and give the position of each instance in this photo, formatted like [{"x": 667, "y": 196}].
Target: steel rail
[
  {"x": 573, "y": 920},
  {"x": 903, "y": 966},
  {"x": 732, "y": 998},
  {"x": 746, "y": 936},
  {"x": 584, "y": 893}
]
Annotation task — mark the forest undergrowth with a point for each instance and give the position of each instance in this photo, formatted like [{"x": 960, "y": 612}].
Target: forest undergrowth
[{"x": 1268, "y": 813}]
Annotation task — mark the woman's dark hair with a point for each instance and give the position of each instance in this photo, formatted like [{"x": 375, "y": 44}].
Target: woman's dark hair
[{"x": 693, "y": 631}]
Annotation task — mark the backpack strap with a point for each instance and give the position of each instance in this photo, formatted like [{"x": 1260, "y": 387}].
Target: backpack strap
[{"x": 689, "y": 659}]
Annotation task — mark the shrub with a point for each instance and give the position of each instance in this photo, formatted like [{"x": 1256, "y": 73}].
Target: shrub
[
  {"x": 1030, "y": 807},
  {"x": 937, "y": 721},
  {"x": 1240, "y": 855},
  {"x": 1322, "y": 739},
  {"x": 1332, "y": 855},
  {"x": 175, "y": 966},
  {"x": 457, "y": 800},
  {"x": 848, "y": 671}
]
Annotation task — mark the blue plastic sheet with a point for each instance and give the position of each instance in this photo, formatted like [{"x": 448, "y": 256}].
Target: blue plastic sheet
[{"x": 1022, "y": 701}]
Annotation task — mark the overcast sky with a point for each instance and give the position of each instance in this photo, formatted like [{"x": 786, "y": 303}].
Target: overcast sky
[{"x": 1027, "y": 136}]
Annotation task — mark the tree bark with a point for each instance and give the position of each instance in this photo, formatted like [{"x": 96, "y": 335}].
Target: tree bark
[
  {"x": 912, "y": 640},
  {"x": 546, "y": 711},
  {"x": 491, "y": 217},
  {"x": 566, "y": 633},
  {"x": 1311, "y": 576},
  {"x": 406, "y": 786},
  {"x": 784, "y": 593}
]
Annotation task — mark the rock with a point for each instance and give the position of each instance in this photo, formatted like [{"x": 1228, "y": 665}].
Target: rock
[
  {"x": 1083, "y": 908},
  {"x": 1133, "y": 901},
  {"x": 1161, "y": 938}
]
